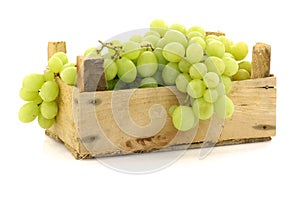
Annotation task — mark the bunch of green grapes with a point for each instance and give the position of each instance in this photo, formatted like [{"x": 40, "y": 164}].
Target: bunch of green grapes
[
  {"x": 40, "y": 91},
  {"x": 199, "y": 65}
]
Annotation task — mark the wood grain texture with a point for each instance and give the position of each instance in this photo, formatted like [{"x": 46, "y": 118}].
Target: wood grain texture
[
  {"x": 54, "y": 47},
  {"x": 261, "y": 60}
]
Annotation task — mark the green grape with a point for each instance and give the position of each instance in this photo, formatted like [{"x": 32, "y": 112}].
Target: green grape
[
  {"x": 221, "y": 89},
  {"x": 198, "y": 71},
  {"x": 198, "y": 40},
  {"x": 108, "y": 55},
  {"x": 91, "y": 52},
  {"x": 148, "y": 82},
  {"x": 202, "y": 109},
  {"x": 126, "y": 70},
  {"x": 196, "y": 28},
  {"x": 182, "y": 80},
  {"x": 246, "y": 65},
  {"x": 68, "y": 65},
  {"x": 184, "y": 65},
  {"x": 192, "y": 34},
  {"x": 158, "y": 77},
  {"x": 49, "y": 91},
  {"x": 136, "y": 38},
  {"x": 131, "y": 50},
  {"x": 231, "y": 66},
  {"x": 33, "y": 82},
  {"x": 239, "y": 50},
  {"x": 28, "y": 112},
  {"x": 159, "y": 56},
  {"x": 173, "y": 52},
  {"x": 226, "y": 54},
  {"x": 215, "y": 48},
  {"x": 212, "y": 38},
  {"x": 28, "y": 95},
  {"x": 45, "y": 123},
  {"x": 224, "y": 107},
  {"x": 147, "y": 64},
  {"x": 215, "y": 64},
  {"x": 178, "y": 27},
  {"x": 146, "y": 46},
  {"x": 170, "y": 73},
  {"x": 211, "y": 95},
  {"x": 194, "y": 53},
  {"x": 176, "y": 36},
  {"x": 48, "y": 75},
  {"x": 38, "y": 100},
  {"x": 111, "y": 84},
  {"x": 159, "y": 26},
  {"x": 152, "y": 39},
  {"x": 110, "y": 68},
  {"x": 183, "y": 118},
  {"x": 242, "y": 74},
  {"x": 152, "y": 33},
  {"x": 227, "y": 83},
  {"x": 69, "y": 75},
  {"x": 114, "y": 43},
  {"x": 171, "y": 110},
  {"x": 162, "y": 42},
  {"x": 63, "y": 56},
  {"x": 49, "y": 109},
  {"x": 227, "y": 43},
  {"x": 196, "y": 88},
  {"x": 211, "y": 79},
  {"x": 55, "y": 64}
]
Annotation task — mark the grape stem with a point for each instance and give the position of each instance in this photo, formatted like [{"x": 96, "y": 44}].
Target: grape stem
[{"x": 109, "y": 45}]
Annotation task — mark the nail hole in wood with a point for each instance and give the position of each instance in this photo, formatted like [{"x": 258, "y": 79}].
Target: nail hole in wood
[
  {"x": 89, "y": 139},
  {"x": 95, "y": 101}
]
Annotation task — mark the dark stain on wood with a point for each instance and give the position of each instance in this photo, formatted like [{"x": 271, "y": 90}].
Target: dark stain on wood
[{"x": 264, "y": 127}]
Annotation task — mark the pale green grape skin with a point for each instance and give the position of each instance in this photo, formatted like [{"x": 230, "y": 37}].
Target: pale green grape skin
[
  {"x": 68, "y": 65},
  {"x": 110, "y": 68},
  {"x": 131, "y": 50},
  {"x": 194, "y": 53},
  {"x": 198, "y": 70},
  {"x": 242, "y": 74},
  {"x": 90, "y": 52},
  {"x": 183, "y": 118},
  {"x": 184, "y": 65},
  {"x": 178, "y": 27},
  {"x": 173, "y": 52},
  {"x": 55, "y": 64},
  {"x": 170, "y": 73},
  {"x": 198, "y": 40},
  {"x": 215, "y": 48},
  {"x": 155, "y": 33},
  {"x": 219, "y": 107},
  {"x": 176, "y": 36},
  {"x": 45, "y": 123},
  {"x": 202, "y": 109},
  {"x": 171, "y": 110},
  {"x": 108, "y": 55},
  {"x": 114, "y": 43},
  {"x": 159, "y": 56},
  {"x": 212, "y": 38},
  {"x": 148, "y": 82},
  {"x": 159, "y": 26},
  {"x": 38, "y": 100},
  {"x": 196, "y": 88},
  {"x": 136, "y": 38},
  {"x": 227, "y": 43},
  {"x": 246, "y": 65},
  {"x": 182, "y": 80},
  {"x": 211, "y": 79},
  {"x": 221, "y": 89},
  {"x": 231, "y": 66},
  {"x": 63, "y": 57},
  {"x": 158, "y": 77},
  {"x": 239, "y": 50},
  {"x": 162, "y": 42},
  {"x": 48, "y": 75},
  {"x": 210, "y": 95},
  {"x": 49, "y": 109},
  {"x": 127, "y": 71},
  {"x": 152, "y": 39},
  {"x": 229, "y": 107},
  {"x": 227, "y": 83},
  {"x": 196, "y": 28},
  {"x": 215, "y": 64},
  {"x": 147, "y": 64},
  {"x": 49, "y": 91},
  {"x": 226, "y": 54},
  {"x": 69, "y": 75},
  {"x": 28, "y": 112},
  {"x": 28, "y": 95},
  {"x": 192, "y": 34},
  {"x": 33, "y": 82}
]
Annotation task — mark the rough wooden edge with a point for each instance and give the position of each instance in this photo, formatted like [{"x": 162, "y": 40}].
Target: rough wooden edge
[
  {"x": 218, "y": 33},
  {"x": 261, "y": 60},
  {"x": 54, "y": 47}
]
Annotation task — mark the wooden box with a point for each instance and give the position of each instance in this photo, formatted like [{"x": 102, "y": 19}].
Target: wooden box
[{"x": 93, "y": 124}]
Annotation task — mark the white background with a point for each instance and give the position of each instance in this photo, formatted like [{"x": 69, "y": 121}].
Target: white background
[{"x": 35, "y": 167}]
